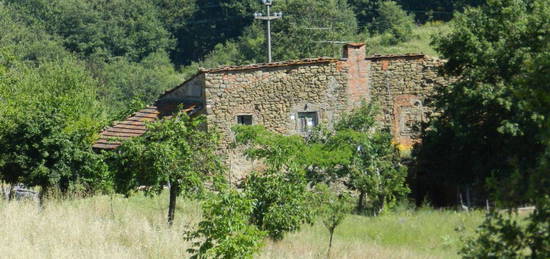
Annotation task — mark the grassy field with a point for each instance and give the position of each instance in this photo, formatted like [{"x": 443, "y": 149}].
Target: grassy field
[
  {"x": 420, "y": 42},
  {"x": 135, "y": 228}
]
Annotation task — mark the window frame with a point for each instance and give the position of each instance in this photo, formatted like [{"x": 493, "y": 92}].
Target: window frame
[
  {"x": 238, "y": 119},
  {"x": 302, "y": 121}
]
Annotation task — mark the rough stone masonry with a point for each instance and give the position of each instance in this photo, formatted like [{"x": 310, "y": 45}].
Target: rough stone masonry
[{"x": 291, "y": 97}]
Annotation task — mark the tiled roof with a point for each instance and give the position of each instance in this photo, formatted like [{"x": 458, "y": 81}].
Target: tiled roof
[
  {"x": 134, "y": 126},
  {"x": 272, "y": 64}
]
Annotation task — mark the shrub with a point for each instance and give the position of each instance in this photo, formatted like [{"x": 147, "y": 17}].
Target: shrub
[{"x": 225, "y": 231}]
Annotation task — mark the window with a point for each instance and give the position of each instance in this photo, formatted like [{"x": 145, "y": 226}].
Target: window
[
  {"x": 307, "y": 121},
  {"x": 244, "y": 119}
]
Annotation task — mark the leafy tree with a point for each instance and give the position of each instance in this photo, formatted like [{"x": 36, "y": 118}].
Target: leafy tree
[
  {"x": 49, "y": 115},
  {"x": 499, "y": 102},
  {"x": 280, "y": 192},
  {"x": 374, "y": 166},
  {"x": 213, "y": 22},
  {"x": 26, "y": 42},
  {"x": 225, "y": 231},
  {"x": 365, "y": 11},
  {"x": 127, "y": 28},
  {"x": 176, "y": 152},
  {"x": 393, "y": 21},
  {"x": 489, "y": 50},
  {"x": 333, "y": 208},
  {"x": 123, "y": 80},
  {"x": 281, "y": 202}
]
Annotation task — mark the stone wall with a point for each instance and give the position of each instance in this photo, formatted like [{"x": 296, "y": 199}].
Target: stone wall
[
  {"x": 275, "y": 95},
  {"x": 402, "y": 86}
]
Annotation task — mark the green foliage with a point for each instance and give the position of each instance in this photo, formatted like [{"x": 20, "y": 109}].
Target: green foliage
[
  {"x": 393, "y": 22},
  {"x": 105, "y": 28},
  {"x": 490, "y": 50},
  {"x": 506, "y": 236},
  {"x": 281, "y": 202},
  {"x": 225, "y": 231},
  {"x": 303, "y": 32},
  {"x": 365, "y": 11},
  {"x": 374, "y": 168},
  {"x": 123, "y": 80},
  {"x": 332, "y": 208},
  {"x": 281, "y": 191},
  {"x": 499, "y": 54},
  {"x": 356, "y": 153},
  {"x": 26, "y": 42},
  {"x": 49, "y": 116},
  {"x": 174, "y": 150}
]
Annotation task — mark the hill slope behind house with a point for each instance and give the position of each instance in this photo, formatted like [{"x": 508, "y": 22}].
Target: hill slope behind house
[{"x": 419, "y": 43}]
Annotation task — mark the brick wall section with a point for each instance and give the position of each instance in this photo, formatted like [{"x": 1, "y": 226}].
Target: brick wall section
[
  {"x": 358, "y": 88},
  {"x": 274, "y": 95}
]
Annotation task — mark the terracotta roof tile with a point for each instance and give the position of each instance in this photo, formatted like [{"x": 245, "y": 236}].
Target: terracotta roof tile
[{"x": 134, "y": 126}]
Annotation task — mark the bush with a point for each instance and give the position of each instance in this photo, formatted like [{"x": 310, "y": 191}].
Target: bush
[
  {"x": 282, "y": 202},
  {"x": 225, "y": 231}
]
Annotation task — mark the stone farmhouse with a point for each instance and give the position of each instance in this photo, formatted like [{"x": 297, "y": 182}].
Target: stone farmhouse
[{"x": 291, "y": 97}]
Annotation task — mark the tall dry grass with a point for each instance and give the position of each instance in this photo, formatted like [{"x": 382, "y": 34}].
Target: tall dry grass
[
  {"x": 92, "y": 228},
  {"x": 99, "y": 227}
]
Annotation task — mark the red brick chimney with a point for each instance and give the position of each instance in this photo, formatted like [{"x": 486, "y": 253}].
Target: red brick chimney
[{"x": 358, "y": 88}]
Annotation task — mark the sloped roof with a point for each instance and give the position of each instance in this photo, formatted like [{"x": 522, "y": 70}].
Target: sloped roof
[{"x": 134, "y": 126}]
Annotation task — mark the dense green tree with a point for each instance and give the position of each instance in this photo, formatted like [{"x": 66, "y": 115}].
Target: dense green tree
[
  {"x": 49, "y": 115},
  {"x": 282, "y": 201},
  {"x": 213, "y": 22},
  {"x": 492, "y": 123},
  {"x": 307, "y": 29},
  {"x": 26, "y": 42},
  {"x": 129, "y": 28},
  {"x": 488, "y": 50},
  {"x": 280, "y": 192},
  {"x": 393, "y": 21},
  {"x": 122, "y": 80},
  {"x": 365, "y": 11},
  {"x": 174, "y": 151}
]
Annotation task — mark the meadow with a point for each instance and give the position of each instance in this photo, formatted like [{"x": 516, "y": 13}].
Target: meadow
[{"x": 116, "y": 227}]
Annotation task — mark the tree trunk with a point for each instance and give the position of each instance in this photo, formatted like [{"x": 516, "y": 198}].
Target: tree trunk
[
  {"x": 42, "y": 196},
  {"x": 11, "y": 194},
  {"x": 330, "y": 242},
  {"x": 361, "y": 202},
  {"x": 172, "y": 205}
]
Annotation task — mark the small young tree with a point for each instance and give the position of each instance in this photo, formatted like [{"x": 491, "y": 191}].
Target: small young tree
[
  {"x": 374, "y": 168},
  {"x": 333, "y": 208},
  {"x": 282, "y": 201},
  {"x": 225, "y": 231},
  {"x": 176, "y": 152},
  {"x": 282, "y": 197}
]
